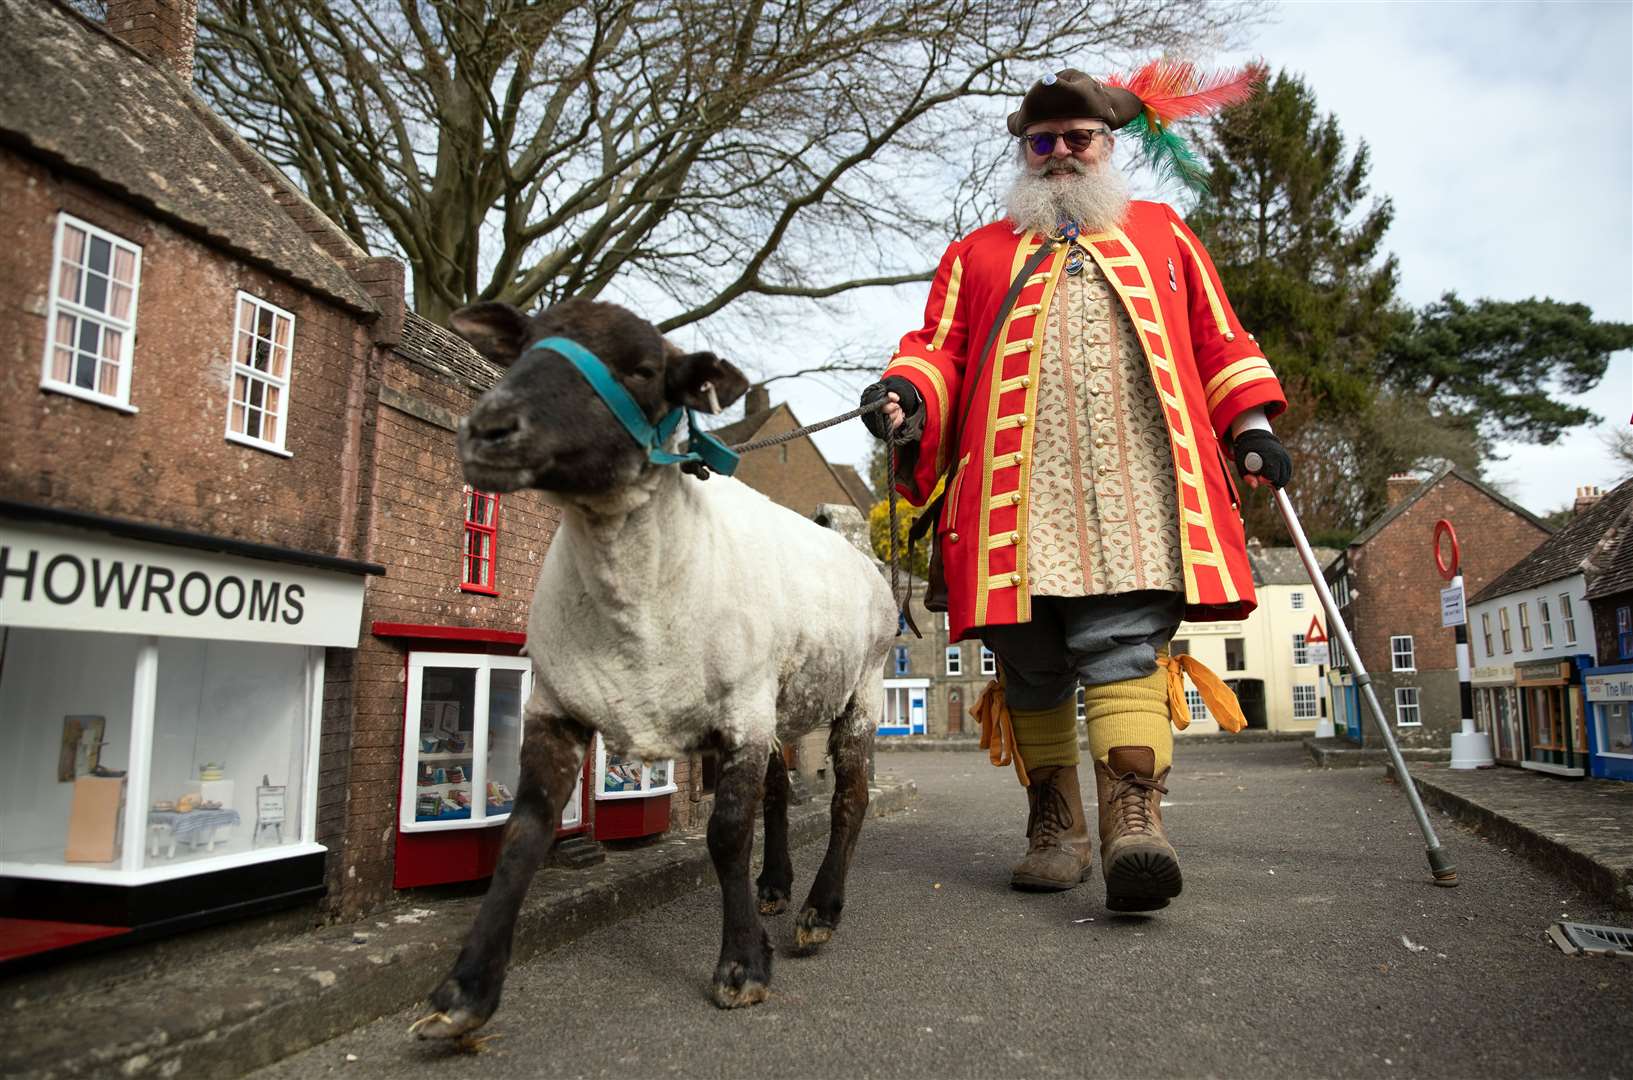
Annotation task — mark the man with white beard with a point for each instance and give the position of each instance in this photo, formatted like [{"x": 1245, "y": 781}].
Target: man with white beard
[{"x": 1078, "y": 369}]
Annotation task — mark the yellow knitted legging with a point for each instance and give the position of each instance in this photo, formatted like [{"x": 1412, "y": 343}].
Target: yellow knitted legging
[
  {"x": 1133, "y": 712},
  {"x": 1046, "y": 736}
]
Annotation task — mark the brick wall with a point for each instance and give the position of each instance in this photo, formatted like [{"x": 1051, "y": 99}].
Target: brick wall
[
  {"x": 416, "y": 530},
  {"x": 1397, "y": 591},
  {"x": 793, "y": 474},
  {"x": 170, "y": 463}
]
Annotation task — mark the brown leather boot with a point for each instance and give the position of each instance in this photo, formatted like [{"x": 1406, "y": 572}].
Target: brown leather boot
[
  {"x": 1059, "y": 852},
  {"x": 1141, "y": 869}
]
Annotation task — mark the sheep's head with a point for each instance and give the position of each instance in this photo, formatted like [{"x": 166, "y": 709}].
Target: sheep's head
[{"x": 544, "y": 426}]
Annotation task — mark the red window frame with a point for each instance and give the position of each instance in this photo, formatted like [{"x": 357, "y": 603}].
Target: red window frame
[{"x": 479, "y": 547}]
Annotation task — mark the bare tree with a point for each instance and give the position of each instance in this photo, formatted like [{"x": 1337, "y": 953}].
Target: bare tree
[{"x": 717, "y": 149}]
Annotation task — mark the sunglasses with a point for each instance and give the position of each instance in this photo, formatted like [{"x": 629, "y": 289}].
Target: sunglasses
[{"x": 1043, "y": 143}]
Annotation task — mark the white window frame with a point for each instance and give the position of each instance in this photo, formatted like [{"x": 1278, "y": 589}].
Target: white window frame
[
  {"x": 901, "y": 661},
  {"x": 955, "y": 659},
  {"x": 1569, "y": 614},
  {"x": 1306, "y": 706},
  {"x": 1525, "y": 626},
  {"x": 989, "y": 661},
  {"x": 1506, "y": 631},
  {"x": 1408, "y": 702},
  {"x": 1402, "y": 657},
  {"x": 1298, "y": 600},
  {"x": 1198, "y": 708},
  {"x": 58, "y": 305},
  {"x": 1485, "y": 632},
  {"x": 1301, "y": 651},
  {"x": 1547, "y": 622},
  {"x": 236, "y": 369}
]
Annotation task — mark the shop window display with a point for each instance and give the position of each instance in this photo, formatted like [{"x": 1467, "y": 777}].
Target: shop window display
[
  {"x": 625, "y": 777},
  {"x": 130, "y": 753},
  {"x": 462, "y": 747}
]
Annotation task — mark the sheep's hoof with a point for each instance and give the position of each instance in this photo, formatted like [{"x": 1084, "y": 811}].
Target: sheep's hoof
[
  {"x": 447, "y": 1025},
  {"x": 750, "y": 992},
  {"x": 812, "y": 932},
  {"x": 773, "y": 901}
]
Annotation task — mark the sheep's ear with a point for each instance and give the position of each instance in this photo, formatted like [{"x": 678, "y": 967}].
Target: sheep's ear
[
  {"x": 689, "y": 376},
  {"x": 498, "y": 331}
]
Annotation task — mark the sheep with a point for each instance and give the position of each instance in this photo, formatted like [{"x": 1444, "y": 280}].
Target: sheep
[{"x": 669, "y": 615}]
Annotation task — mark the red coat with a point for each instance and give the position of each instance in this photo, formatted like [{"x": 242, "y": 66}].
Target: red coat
[{"x": 1209, "y": 369}]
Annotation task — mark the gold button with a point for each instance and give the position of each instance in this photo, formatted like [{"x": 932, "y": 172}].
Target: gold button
[
  {"x": 1015, "y": 537},
  {"x": 1026, "y": 380},
  {"x": 1014, "y": 496},
  {"x": 929, "y": 348},
  {"x": 1230, "y": 335},
  {"x": 952, "y": 537},
  {"x": 1028, "y": 343},
  {"x": 1021, "y": 419},
  {"x": 1014, "y": 579}
]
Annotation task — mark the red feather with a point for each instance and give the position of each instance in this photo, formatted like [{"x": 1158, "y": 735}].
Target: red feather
[{"x": 1175, "y": 89}]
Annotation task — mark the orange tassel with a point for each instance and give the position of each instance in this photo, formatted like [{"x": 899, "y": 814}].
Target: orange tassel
[
  {"x": 1218, "y": 697},
  {"x": 998, "y": 730}
]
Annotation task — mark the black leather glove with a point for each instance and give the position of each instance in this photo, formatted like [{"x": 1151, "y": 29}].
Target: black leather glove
[
  {"x": 1272, "y": 464},
  {"x": 910, "y": 402}
]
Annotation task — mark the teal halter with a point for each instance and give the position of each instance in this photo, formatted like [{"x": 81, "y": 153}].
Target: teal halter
[{"x": 701, "y": 447}]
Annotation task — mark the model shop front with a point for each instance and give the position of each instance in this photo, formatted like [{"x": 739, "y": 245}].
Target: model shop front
[{"x": 160, "y": 697}]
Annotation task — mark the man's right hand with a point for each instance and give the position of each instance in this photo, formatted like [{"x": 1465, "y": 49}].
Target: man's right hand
[{"x": 902, "y": 402}]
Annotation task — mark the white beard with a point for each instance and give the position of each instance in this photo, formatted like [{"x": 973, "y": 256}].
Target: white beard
[{"x": 1096, "y": 198}]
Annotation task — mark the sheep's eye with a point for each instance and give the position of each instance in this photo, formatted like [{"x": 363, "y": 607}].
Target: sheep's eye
[{"x": 646, "y": 371}]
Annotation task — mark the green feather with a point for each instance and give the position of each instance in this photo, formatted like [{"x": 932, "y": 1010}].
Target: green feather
[{"x": 1168, "y": 155}]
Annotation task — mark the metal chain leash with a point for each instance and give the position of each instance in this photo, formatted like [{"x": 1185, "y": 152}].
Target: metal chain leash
[{"x": 801, "y": 432}]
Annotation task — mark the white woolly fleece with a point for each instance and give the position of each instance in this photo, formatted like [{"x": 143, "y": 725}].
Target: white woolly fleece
[{"x": 674, "y": 608}]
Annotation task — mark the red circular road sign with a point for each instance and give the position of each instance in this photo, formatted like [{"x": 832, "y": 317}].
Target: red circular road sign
[{"x": 1444, "y": 528}]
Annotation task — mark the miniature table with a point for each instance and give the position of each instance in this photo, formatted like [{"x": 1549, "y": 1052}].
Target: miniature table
[{"x": 194, "y": 828}]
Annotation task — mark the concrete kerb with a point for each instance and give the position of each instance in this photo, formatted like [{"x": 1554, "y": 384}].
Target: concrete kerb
[
  {"x": 1343, "y": 754},
  {"x": 894, "y": 743},
  {"x": 257, "y": 1005},
  {"x": 1599, "y": 879}
]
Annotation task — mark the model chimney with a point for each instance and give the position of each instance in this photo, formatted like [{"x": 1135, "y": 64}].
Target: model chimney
[
  {"x": 1586, "y": 496},
  {"x": 163, "y": 30},
  {"x": 757, "y": 400},
  {"x": 1400, "y": 486}
]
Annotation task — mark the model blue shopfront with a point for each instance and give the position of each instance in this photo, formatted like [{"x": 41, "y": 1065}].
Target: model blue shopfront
[{"x": 1609, "y": 694}]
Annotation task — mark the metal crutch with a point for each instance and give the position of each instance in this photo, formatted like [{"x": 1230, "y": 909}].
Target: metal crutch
[{"x": 1440, "y": 864}]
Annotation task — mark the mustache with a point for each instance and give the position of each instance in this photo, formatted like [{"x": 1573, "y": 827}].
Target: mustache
[{"x": 1063, "y": 165}]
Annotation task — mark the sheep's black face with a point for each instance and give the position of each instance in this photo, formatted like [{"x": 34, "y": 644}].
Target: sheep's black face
[{"x": 543, "y": 425}]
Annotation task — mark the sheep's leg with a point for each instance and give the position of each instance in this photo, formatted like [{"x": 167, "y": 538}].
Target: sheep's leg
[
  {"x": 744, "y": 972},
  {"x": 776, "y": 880},
  {"x": 552, "y": 751},
  {"x": 848, "y": 745}
]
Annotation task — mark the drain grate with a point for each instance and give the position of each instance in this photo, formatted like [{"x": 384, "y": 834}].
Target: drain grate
[{"x": 1573, "y": 938}]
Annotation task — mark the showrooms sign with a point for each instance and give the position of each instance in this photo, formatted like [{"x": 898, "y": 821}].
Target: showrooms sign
[{"x": 68, "y": 579}]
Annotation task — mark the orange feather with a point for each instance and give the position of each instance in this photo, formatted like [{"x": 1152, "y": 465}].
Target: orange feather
[{"x": 1175, "y": 89}]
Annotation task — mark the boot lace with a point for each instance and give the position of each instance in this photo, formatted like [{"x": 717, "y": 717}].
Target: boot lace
[
  {"x": 1051, "y": 815},
  {"x": 1133, "y": 800}
]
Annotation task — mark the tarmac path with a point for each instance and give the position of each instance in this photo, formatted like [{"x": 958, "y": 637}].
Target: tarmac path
[{"x": 1284, "y": 957}]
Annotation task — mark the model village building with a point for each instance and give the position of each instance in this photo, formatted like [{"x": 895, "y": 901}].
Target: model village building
[{"x": 1387, "y": 588}]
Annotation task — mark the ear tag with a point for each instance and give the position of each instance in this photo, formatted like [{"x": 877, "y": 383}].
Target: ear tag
[
  {"x": 1173, "y": 282},
  {"x": 714, "y": 402}
]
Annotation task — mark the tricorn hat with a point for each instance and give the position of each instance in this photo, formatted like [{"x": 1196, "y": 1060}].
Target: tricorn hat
[
  {"x": 1069, "y": 92},
  {"x": 1149, "y": 101}
]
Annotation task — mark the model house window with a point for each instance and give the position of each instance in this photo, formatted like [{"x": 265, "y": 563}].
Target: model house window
[
  {"x": 946, "y": 623},
  {"x": 1298, "y": 601},
  {"x": 262, "y": 342},
  {"x": 1624, "y": 632},
  {"x": 901, "y": 661},
  {"x": 989, "y": 662},
  {"x": 1485, "y": 632},
  {"x": 1508, "y": 637},
  {"x": 1193, "y": 700},
  {"x": 1301, "y": 650},
  {"x": 955, "y": 660},
  {"x": 1179, "y": 647},
  {"x": 1304, "y": 701},
  {"x": 1235, "y": 654},
  {"x": 1566, "y": 614},
  {"x": 91, "y": 328},
  {"x": 1547, "y": 623},
  {"x": 1525, "y": 627},
  {"x": 481, "y": 549},
  {"x": 1401, "y": 653},
  {"x": 1406, "y": 707}
]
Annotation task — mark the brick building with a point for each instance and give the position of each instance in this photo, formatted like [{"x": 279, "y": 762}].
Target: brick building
[
  {"x": 1609, "y": 685},
  {"x": 183, "y": 405},
  {"x": 794, "y": 474},
  {"x": 1388, "y": 591}
]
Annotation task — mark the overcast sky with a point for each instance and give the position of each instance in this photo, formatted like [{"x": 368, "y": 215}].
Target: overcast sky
[{"x": 1504, "y": 135}]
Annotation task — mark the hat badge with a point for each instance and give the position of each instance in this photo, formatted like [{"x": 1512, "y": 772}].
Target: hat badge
[{"x": 1048, "y": 79}]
